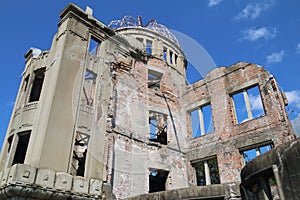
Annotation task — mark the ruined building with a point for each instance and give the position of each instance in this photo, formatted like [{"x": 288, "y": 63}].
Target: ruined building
[{"x": 107, "y": 113}]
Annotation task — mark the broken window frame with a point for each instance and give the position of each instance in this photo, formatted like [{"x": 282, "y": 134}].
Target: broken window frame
[
  {"x": 154, "y": 184},
  {"x": 202, "y": 128},
  {"x": 209, "y": 173},
  {"x": 37, "y": 85},
  {"x": 247, "y": 104},
  {"x": 22, "y": 140},
  {"x": 80, "y": 150},
  {"x": 256, "y": 151},
  {"x": 154, "y": 78},
  {"x": 158, "y": 123}
]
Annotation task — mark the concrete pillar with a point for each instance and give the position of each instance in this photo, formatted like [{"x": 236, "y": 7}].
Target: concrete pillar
[
  {"x": 207, "y": 173},
  {"x": 248, "y": 107},
  {"x": 202, "y": 129},
  {"x": 168, "y": 56}
]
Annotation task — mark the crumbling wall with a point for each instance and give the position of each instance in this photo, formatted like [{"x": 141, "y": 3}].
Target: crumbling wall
[{"x": 229, "y": 136}]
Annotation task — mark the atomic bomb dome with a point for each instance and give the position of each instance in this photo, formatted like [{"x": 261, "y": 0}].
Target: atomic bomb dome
[{"x": 131, "y": 22}]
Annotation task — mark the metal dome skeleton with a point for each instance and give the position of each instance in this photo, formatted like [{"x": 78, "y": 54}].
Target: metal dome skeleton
[{"x": 129, "y": 21}]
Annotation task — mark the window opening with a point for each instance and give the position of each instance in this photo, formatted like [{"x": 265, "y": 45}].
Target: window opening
[
  {"x": 158, "y": 127},
  {"x": 23, "y": 141},
  {"x": 207, "y": 172},
  {"x": 175, "y": 60},
  {"x": 250, "y": 154},
  {"x": 154, "y": 79},
  {"x": 248, "y": 104},
  {"x": 165, "y": 53},
  {"x": 36, "y": 89},
  {"x": 79, "y": 154},
  {"x": 149, "y": 47},
  {"x": 93, "y": 46},
  {"x": 157, "y": 180},
  {"x": 171, "y": 57},
  {"x": 202, "y": 121},
  {"x": 89, "y": 87}
]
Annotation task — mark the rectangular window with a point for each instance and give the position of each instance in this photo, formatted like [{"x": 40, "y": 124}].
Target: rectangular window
[
  {"x": 252, "y": 153},
  {"x": 154, "y": 79},
  {"x": 165, "y": 53},
  {"x": 248, "y": 104},
  {"x": 176, "y": 57},
  {"x": 207, "y": 172},
  {"x": 93, "y": 46},
  {"x": 158, "y": 127},
  {"x": 149, "y": 47},
  {"x": 171, "y": 57},
  {"x": 202, "y": 121},
  {"x": 157, "y": 180},
  {"x": 23, "y": 141},
  {"x": 37, "y": 85}
]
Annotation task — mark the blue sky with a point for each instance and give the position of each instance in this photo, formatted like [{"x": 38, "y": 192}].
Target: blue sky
[{"x": 265, "y": 32}]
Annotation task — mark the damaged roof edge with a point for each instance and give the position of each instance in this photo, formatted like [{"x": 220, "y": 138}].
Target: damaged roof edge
[{"x": 84, "y": 15}]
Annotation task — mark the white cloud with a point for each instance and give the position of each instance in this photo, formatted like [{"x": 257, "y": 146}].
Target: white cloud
[
  {"x": 253, "y": 10},
  {"x": 255, "y": 102},
  {"x": 298, "y": 48},
  {"x": 254, "y": 34},
  {"x": 293, "y": 97},
  {"x": 214, "y": 2},
  {"x": 275, "y": 57}
]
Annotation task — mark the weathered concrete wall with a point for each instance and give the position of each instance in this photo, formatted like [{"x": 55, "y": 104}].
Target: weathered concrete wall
[
  {"x": 106, "y": 117},
  {"x": 281, "y": 162}
]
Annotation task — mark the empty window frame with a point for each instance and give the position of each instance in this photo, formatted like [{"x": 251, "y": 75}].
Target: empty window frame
[
  {"x": 207, "y": 172},
  {"x": 248, "y": 104},
  {"x": 202, "y": 121},
  {"x": 149, "y": 47},
  {"x": 252, "y": 153},
  {"x": 157, "y": 180},
  {"x": 154, "y": 79},
  {"x": 175, "y": 59},
  {"x": 165, "y": 53},
  {"x": 20, "y": 153},
  {"x": 158, "y": 127},
  {"x": 171, "y": 57},
  {"x": 37, "y": 84},
  {"x": 93, "y": 46}
]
